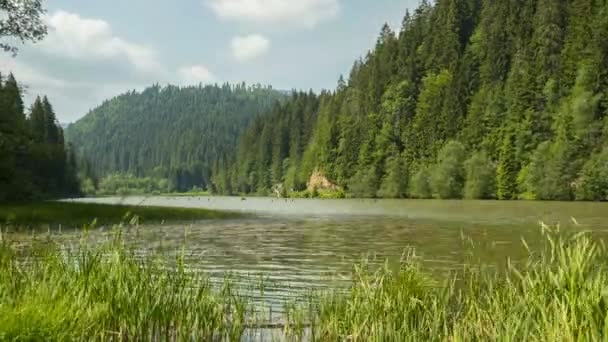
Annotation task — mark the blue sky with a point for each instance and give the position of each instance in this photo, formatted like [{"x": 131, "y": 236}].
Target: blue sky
[{"x": 99, "y": 49}]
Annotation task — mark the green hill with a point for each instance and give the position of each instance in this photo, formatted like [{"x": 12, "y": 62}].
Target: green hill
[
  {"x": 470, "y": 98},
  {"x": 171, "y": 132}
]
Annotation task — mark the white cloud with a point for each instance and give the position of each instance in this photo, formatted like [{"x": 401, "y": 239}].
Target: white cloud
[
  {"x": 83, "y": 38},
  {"x": 307, "y": 13},
  {"x": 28, "y": 75},
  {"x": 246, "y": 48},
  {"x": 195, "y": 74},
  {"x": 70, "y": 98}
]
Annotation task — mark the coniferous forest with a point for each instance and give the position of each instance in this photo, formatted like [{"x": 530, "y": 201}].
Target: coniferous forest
[
  {"x": 34, "y": 160},
  {"x": 179, "y": 134},
  {"x": 469, "y": 99}
]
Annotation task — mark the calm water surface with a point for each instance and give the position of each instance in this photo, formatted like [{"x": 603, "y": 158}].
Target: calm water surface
[{"x": 307, "y": 244}]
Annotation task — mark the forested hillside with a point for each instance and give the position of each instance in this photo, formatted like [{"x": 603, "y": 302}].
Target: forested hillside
[
  {"x": 34, "y": 161},
  {"x": 168, "y": 132},
  {"x": 471, "y": 98}
]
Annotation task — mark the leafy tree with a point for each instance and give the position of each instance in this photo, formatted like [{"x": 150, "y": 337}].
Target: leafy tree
[
  {"x": 593, "y": 184},
  {"x": 394, "y": 183},
  {"x": 429, "y": 123},
  {"x": 21, "y": 20},
  {"x": 363, "y": 184},
  {"x": 420, "y": 185},
  {"x": 448, "y": 175},
  {"x": 480, "y": 177}
]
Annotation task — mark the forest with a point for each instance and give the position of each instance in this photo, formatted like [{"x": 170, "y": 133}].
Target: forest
[
  {"x": 172, "y": 136},
  {"x": 35, "y": 162},
  {"x": 473, "y": 99}
]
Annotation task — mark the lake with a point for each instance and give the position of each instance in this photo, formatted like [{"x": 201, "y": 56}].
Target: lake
[{"x": 305, "y": 244}]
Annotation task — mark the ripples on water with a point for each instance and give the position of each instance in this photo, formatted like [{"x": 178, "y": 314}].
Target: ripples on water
[{"x": 304, "y": 245}]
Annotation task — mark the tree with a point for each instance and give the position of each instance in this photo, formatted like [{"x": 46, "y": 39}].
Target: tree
[
  {"x": 420, "y": 185},
  {"x": 12, "y": 139},
  {"x": 593, "y": 184},
  {"x": 31, "y": 165},
  {"x": 51, "y": 130},
  {"x": 394, "y": 182},
  {"x": 448, "y": 175},
  {"x": 429, "y": 125},
  {"x": 38, "y": 121},
  {"x": 129, "y": 134},
  {"x": 508, "y": 168},
  {"x": 480, "y": 177},
  {"x": 364, "y": 183},
  {"x": 22, "y": 20}
]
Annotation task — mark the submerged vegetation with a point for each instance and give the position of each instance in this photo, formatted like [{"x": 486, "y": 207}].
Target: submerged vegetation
[
  {"x": 78, "y": 214},
  {"x": 50, "y": 292}
]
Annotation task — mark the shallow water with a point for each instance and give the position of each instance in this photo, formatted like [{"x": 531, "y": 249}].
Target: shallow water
[{"x": 300, "y": 245}]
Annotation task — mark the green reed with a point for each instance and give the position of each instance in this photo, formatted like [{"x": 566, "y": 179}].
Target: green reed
[
  {"x": 558, "y": 294},
  {"x": 107, "y": 292}
]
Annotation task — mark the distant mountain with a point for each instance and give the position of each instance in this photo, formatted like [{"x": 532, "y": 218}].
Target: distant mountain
[{"x": 175, "y": 132}]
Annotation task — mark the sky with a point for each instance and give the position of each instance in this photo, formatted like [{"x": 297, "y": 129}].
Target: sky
[{"x": 96, "y": 50}]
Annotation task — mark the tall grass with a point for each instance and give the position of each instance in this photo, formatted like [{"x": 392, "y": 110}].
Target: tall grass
[
  {"x": 108, "y": 293},
  {"x": 560, "y": 293}
]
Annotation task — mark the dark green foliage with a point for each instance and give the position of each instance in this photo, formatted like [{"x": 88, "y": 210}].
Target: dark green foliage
[
  {"x": 480, "y": 177},
  {"x": 34, "y": 162},
  {"x": 504, "y": 77},
  {"x": 181, "y": 133},
  {"x": 76, "y": 215},
  {"x": 363, "y": 183},
  {"x": 448, "y": 175},
  {"x": 524, "y": 81},
  {"x": 500, "y": 76},
  {"x": 394, "y": 183},
  {"x": 508, "y": 169},
  {"x": 593, "y": 185},
  {"x": 271, "y": 151},
  {"x": 420, "y": 185},
  {"x": 125, "y": 184}
]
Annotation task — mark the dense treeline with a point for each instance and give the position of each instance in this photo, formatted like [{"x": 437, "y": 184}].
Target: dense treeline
[
  {"x": 34, "y": 161},
  {"x": 173, "y": 133},
  {"x": 471, "y": 98},
  {"x": 271, "y": 150}
]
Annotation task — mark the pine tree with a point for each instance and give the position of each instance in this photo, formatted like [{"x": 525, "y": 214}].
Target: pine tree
[
  {"x": 51, "y": 131},
  {"x": 508, "y": 168},
  {"x": 37, "y": 120},
  {"x": 13, "y": 142}
]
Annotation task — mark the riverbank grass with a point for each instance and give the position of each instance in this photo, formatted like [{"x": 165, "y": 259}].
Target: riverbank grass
[
  {"x": 78, "y": 214},
  {"x": 109, "y": 293}
]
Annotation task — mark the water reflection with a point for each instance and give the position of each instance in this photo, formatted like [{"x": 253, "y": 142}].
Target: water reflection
[{"x": 311, "y": 244}]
